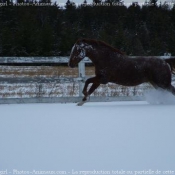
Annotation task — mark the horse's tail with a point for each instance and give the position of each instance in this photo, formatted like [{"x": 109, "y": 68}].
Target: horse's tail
[{"x": 171, "y": 62}]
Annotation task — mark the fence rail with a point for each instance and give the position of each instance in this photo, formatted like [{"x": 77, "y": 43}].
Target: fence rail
[
  {"x": 54, "y": 60},
  {"x": 47, "y": 61}
]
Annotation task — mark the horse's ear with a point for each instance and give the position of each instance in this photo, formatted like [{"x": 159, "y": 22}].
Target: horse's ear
[{"x": 82, "y": 40}]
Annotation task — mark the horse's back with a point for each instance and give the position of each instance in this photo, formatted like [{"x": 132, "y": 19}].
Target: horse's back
[
  {"x": 128, "y": 72},
  {"x": 131, "y": 72}
]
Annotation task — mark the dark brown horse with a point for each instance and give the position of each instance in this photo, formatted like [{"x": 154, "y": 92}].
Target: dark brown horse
[{"x": 111, "y": 65}]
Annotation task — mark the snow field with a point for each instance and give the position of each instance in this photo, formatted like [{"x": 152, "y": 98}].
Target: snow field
[{"x": 111, "y": 137}]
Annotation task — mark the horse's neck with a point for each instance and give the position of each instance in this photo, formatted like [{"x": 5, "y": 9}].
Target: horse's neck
[
  {"x": 96, "y": 55},
  {"x": 93, "y": 55}
]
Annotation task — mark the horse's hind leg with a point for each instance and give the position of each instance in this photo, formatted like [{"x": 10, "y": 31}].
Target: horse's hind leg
[
  {"x": 171, "y": 89},
  {"x": 162, "y": 80}
]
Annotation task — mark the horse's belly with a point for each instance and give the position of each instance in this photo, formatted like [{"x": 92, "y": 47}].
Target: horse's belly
[
  {"x": 130, "y": 83},
  {"x": 130, "y": 78}
]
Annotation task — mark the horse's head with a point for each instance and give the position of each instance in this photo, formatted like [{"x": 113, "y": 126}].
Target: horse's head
[
  {"x": 78, "y": 52},
  {"x": 80, "y": 49}
]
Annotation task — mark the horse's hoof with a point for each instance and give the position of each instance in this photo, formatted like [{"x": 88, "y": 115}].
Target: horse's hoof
[{"x": 81, "y": 103}]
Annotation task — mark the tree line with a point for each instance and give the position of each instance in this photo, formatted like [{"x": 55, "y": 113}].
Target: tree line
[{"x": 31, "y": 28}]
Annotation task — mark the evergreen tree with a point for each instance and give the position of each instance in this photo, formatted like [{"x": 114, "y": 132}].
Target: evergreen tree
[
  {"x": 49, "y": 30},
  {"x": 70, "y": 5},
  {"x": 153, "y": 3},
  {"x": 97, "y": 1}
]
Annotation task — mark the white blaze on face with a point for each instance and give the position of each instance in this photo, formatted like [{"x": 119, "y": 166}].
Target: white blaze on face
[
  {"x": 81, "y": 48},
  {"x": 72, "y": 50},
  {"x": 82, "y": 45},
  {"x": 82, "y": 53}
]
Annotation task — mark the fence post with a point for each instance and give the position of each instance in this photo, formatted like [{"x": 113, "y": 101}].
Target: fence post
[{"x": 81, "y": 76}]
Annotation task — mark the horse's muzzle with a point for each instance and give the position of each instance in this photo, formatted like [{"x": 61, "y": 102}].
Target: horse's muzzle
[{"x": 70, "y": 65}]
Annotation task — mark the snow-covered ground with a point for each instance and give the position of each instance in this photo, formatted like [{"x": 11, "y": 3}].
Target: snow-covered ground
[
  {"x": 97, "y": 138},
  {"x": 27, "y": 90}
]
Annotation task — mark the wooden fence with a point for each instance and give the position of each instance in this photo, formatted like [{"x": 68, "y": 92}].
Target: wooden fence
[{"x": 52, "y": 61}]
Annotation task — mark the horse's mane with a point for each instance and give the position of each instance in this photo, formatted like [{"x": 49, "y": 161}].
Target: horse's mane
[{"x": 101, "y": 43}]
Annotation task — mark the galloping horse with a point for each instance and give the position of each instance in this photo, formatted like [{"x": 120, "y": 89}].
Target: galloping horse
[{"x": 111, "y": 65}]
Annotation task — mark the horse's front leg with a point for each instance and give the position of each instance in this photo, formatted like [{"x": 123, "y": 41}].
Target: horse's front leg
[
  {"x": 91, "y": 90},
  {"x": 95, "y": 83},
  {"x": 87, "y": 82}
]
